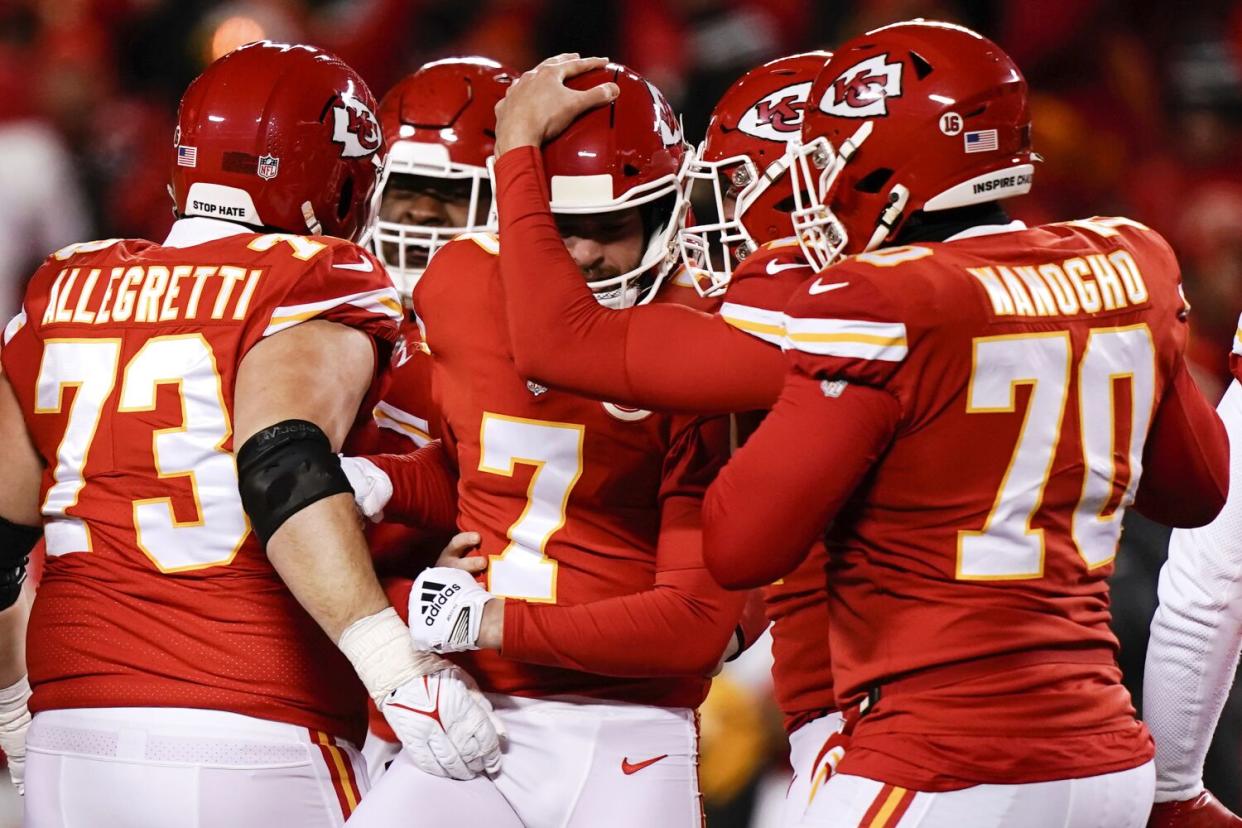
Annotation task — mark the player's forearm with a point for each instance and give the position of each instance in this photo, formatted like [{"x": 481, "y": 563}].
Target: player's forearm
[
  {"x": 13, "y": 639},
  {"x": 424, "y": 487},
  {"x": 681, "y": 628},
  {"x": 1195, "y": 636},
  {"x": 1186, "y": 458},
  {"x": 559, "y": 333},
  {"x": 321, "y": 555},
  {"x": 782, "y": 488}
]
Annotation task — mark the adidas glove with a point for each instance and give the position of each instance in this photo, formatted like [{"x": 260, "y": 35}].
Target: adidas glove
[
  {"x": 14, "y": 722},
  {"x": 446, "y": 610}
]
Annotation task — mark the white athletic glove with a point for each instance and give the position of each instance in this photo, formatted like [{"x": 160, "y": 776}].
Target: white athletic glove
[
  {"x": 14, "y": 721},
  {"x": 372, "y": 487},
  {"x": 442, "y": 720},
  {"x": 446, "y": 610},
  {"x": 445, "y": 723}
]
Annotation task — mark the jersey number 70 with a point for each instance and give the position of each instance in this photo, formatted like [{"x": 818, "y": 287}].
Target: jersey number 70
[{"x": 1007, "y": 547}]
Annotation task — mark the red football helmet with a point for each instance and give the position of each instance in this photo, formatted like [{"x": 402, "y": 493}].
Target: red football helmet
[
  {"x": 743, "y": 158},
  {"x": 628, "y": 154},
  {"x": 440, "y": 122},
  {"x": 914, "y": 116},
  {"x": 281, "y": 136}
]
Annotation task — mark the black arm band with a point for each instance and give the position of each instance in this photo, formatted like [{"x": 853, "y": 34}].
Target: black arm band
[
  {"x": 283, "y": 469},
  {"x": 16, "y": 541}
]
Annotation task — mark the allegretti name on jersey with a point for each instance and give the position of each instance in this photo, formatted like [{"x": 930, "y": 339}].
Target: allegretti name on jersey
[
  {"x": 150, "y": 293},
  {"x": 1082, "y": 284}
]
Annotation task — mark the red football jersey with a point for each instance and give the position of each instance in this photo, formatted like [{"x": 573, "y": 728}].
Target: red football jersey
[
  {"x": 560, "y": 332},
  {"x": 969, "y": 574},
  {"x": 802, "y": 684},
  {"x": 568, "y": 493},
  {"x": 156, "y": 592}
]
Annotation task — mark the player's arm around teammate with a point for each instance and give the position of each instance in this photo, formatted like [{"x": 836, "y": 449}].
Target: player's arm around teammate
[
  {"x": 19, "y": 532},
  {"x": 559, "y": 333},
  {"x": 1196, "y": 635}
]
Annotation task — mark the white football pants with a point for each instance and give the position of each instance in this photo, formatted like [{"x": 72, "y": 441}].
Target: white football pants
[
  {"x": 566, "y": 764},
  {"x": 145, "y": 767},
  {"x": 1112, "y": 800}
]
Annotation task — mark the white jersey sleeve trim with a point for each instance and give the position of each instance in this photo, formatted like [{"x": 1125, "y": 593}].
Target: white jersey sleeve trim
[
  {"x": 1196, "y": 633},
  {"x": 15, "y": 324},
  {"x": 406, "y": 424},
  {"x": 768, "y": 325},
  {"x": 848, "y": 338},
  {"x": 384, "y": 302}
]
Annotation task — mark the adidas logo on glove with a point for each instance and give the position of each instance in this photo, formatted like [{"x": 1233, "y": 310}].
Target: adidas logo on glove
[
  {"x": 434, "y": 598},
  {"x": 450, "y": 604}
]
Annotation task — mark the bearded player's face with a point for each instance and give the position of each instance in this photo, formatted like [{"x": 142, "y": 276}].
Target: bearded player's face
[{"x": 604, "y": 245}]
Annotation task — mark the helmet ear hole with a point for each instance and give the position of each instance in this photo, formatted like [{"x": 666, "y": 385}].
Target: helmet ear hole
[
  {"x": 874, "y": 181},
  {"x": 347, "y": 198},
  {"x": 921, "y": 67}
]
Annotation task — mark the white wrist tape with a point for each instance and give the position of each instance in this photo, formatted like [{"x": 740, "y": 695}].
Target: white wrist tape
[{"x": 382, "y": 652}]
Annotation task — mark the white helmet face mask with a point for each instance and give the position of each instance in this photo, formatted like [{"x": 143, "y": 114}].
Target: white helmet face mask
[
  {"x": 639, "y": 285},
  {"x": 406, "y": 249},
  {"x": 709, "y": 249},
  {"x": 815, "y": 167}
]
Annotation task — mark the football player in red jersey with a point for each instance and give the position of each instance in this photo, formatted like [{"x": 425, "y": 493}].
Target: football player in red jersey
[
  {"x": 597, "y": 626},
  {"x": 182, "y": 403},
  {"x": 972, "y": 406},
  {"x": 1196, "y": 635},
  {"x": 439, "y": 125},
  {"x": 744, "y": 249},
  {"x": 439, "y": 129}
]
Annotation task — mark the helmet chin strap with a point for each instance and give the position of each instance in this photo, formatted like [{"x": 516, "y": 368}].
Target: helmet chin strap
[
  {"x": 312, "y": 223},
  {"x": 898, "y": 197}
]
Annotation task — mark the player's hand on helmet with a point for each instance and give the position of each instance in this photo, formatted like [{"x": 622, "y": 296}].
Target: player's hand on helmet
[
  {"x": 446, "y": 610},
  {"x": 372, "y": 486},
  {"x": 1203, "y": 811},
  {"x": 14, "y": 722},
  {"x": 445, "y": 724},
  {"x": 539, "y": 105}
]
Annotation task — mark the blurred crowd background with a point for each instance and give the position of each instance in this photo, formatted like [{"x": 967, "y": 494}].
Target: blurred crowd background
[{"x": 1137, "y": 111}]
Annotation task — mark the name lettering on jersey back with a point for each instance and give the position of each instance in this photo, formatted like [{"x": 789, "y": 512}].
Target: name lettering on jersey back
[
  {"x": 151, "y": 293},
  {"x": 1080, "y": 285}
]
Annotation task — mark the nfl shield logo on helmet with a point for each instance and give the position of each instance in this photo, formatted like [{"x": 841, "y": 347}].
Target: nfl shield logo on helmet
[
  {"x": 269, "y": 165},
  {"x": 863, "y": 90}
]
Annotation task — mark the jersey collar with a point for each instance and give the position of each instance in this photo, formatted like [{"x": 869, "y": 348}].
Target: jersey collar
[
  {"x": 988, "y": 230},
  {"x": 188, "y": 232}
]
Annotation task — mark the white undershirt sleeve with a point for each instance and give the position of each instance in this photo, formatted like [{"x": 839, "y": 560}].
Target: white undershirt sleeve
[{"x": 1196, "y": 633}]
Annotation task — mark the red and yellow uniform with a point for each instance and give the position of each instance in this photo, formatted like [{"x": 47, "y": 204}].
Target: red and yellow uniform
[
  {"x": 589, "y": 511},
  {"x": 974, "y": 417},
  {"x": 668, "y": 357},
  {"x": 155, "y": 592}
]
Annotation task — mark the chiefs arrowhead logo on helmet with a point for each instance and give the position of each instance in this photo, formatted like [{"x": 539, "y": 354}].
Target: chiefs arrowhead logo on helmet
[
  {"x": 354, "y": 127},
  {"x": 666, "y": 120},
  {"x": 863, "y": 90},
  {"x": 778, "y": 115}
]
